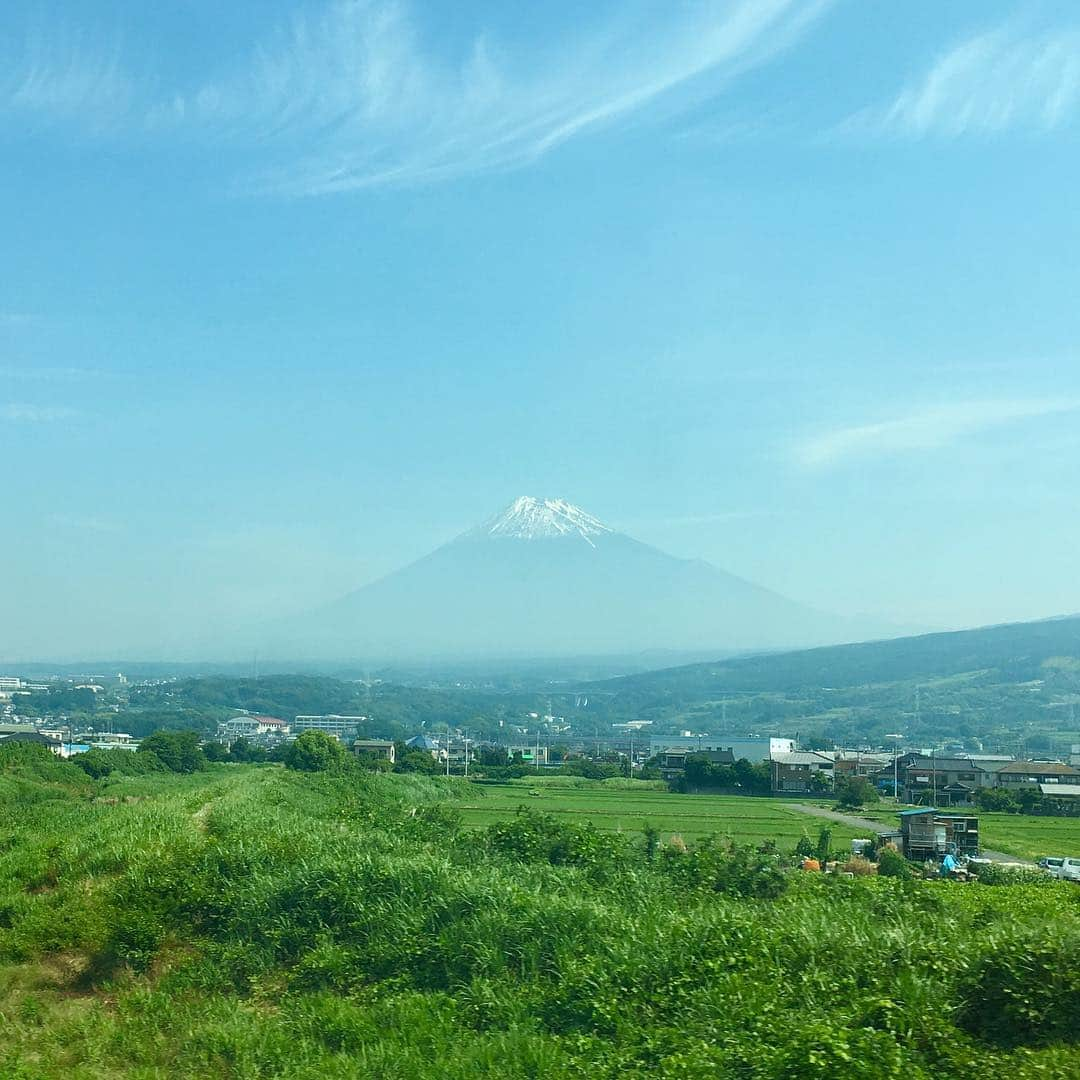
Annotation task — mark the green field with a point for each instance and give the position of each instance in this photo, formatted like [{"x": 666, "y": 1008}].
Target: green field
[{"x": 618, "y": 807}]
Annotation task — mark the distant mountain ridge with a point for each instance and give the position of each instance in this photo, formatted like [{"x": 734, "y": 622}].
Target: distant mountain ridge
[
  {"x": 1014, "y": 650},
  {"x": 545, "y": 578}
]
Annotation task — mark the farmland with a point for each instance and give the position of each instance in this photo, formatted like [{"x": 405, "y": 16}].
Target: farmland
[
  {"x": 624, "y": 806},
  {"x": 249, "y": 922}
]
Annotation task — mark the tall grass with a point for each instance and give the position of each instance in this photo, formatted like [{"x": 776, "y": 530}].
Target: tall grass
[{"x": 250, "y": 922}]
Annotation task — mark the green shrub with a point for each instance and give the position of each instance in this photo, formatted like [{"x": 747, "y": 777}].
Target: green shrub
[
  {"x": 892, "y": 864},
  {"x": 1024, "y": 991},
  {"x": 178, "y": 751},
  {"x": 316, "y": 751}
]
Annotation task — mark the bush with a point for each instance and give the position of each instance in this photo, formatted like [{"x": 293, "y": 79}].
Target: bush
[
  {"x": 1024, "y": 991},
  {"x": 855, "y": 791},
  {"x": 178, "y": 751},
  {"x": 996, "y": 799},
  {"x": 717, "y": 865},
  {"x": 316, "y": 751},
  {"x": 535, "y": 837},
  {"x": 892, "y": 864}
]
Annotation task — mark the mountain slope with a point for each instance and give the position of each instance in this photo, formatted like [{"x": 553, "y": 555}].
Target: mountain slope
[
  {"x": 1009, "y": 652},
  {"x": 545, "y": 578}
]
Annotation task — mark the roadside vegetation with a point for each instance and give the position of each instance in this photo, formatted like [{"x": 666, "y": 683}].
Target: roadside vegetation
[{"x": 260, "y": 921}]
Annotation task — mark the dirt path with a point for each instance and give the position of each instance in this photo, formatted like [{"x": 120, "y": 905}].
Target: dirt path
[{"x": 874, "y": 827}]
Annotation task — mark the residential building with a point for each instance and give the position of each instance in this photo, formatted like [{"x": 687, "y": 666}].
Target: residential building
[
  {"x": 531, "y": 753},
  {"x": 932, "y": 778},
  {"x": 382, "y": 748},
  {"x": 426, "y": 742},
  {"x": 54, "y": 745},
  {"x": 802, "y": 771},
  {"x": 1018, "y": 774}
]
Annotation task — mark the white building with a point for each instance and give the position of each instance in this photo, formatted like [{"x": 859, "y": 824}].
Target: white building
[
  {"x": 248, "y": 727},
  {"x": 752, "y": 747},
  {"x": 332, "y": 724}
]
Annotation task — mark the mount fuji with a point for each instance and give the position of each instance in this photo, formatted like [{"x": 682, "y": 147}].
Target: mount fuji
[{"x": 545, "y": 578}]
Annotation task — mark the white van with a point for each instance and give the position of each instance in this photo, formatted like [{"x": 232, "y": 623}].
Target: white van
[{"x": 1066, "y": 869}]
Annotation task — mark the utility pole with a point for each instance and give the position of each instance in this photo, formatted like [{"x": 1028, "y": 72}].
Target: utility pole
[
  {"x": 536, "y": 753},
  {"x": 466, "y": 753},
  {"x": 448, "y": 753}
]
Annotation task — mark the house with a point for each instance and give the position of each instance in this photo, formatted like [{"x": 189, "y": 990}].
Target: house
[
  {"x": 929, "y": 833},
  {"x": 381, "y": 748},
  {"x": 428, "y": 744},
  {"x": 801, "y": 771},
  {"x": 1065, "y": 798},
  {"x": 932, "y": 778},
  {"x": 863, "y": 763},
  {"x": 531, "y": 754},
  {"x": 673, "y": 760},
  {"x": 1020, "y": 774},
  {"x": 55, "y": 745}
]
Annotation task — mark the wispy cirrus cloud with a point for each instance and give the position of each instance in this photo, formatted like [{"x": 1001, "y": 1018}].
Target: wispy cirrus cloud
[
  {"x": 1004, "y": 78},
  {"x": 36, "y": 414},
  {"x": 67, "y": 75},
  {"x": 354, "y": 93},
  {"x": 924, "y": 429}
]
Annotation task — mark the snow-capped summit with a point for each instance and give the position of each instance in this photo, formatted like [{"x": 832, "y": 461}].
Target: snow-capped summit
[{"x": 527, "y": 518}]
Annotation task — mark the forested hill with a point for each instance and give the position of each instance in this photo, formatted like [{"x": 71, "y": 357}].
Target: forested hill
[{"x": 1015, "y": 652}]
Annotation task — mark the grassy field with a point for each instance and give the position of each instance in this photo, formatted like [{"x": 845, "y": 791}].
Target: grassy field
[
  {"x": 250, "y": 922},
  {"x": 618, "y": 807},
  {"x": 1015, "y": 834}
]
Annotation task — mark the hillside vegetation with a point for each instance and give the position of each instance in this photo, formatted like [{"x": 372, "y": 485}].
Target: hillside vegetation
[
  {"x": 255, "y": 922},
  {"x": 1013, "y": 686}
]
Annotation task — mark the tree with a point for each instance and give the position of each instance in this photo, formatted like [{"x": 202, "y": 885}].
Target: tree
[
  {"x": 418, "y": 761},
  {"x": 855, "y": 791},
  {"x": 216, "y": 751},
  {"x": 243, "y": 750},
  {"x": 178, "y": 751},
  {"x": 996, "y": 799},
  {"x": 824, "y": 845},
  {"x": 316, "y": 751}
]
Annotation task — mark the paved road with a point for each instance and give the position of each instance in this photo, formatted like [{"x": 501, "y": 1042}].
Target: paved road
[{"x": 874, "y": 827}]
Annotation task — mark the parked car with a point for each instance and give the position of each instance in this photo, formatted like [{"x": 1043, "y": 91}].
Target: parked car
[{"x": 1063, "y": 868}]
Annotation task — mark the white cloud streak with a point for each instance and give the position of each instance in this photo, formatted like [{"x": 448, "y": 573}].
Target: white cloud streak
[
  {"x": 987, "y": 84},
  {"x": 65, "y": 76},
  {"x": 351, "y": 94},
  {"x": 36, "y": 414},
  {"x": 926, "y": 429}
]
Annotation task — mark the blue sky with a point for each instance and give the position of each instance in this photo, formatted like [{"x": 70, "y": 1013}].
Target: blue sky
[{"x": 293, "y": 292}]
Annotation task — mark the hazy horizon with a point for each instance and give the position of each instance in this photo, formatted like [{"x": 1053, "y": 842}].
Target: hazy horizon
[{"x": 297, "y": 292}]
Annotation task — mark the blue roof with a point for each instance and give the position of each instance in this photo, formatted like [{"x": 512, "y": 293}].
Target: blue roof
[
  {"x": 920, "y": 810},
  {"x": 423, "y": 742}
]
